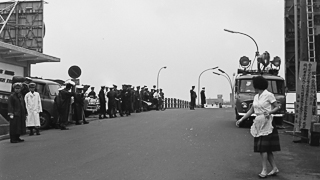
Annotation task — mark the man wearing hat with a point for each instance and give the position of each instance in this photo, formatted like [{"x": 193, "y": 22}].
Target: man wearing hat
[
  {"x": 25, "y": 86},
  {"x": 112, "y": 103},
  {"x": 102, "y": 101},
  {"x": 203, "y": 97},
  {"x": 118, "y": 101},
  {"x": 34, "y": 107},
  {"x": 78, "y": 106},
  {"x": 64, "y": 102},
  {"x": 137, "y": 104},
  {"x": 193, "y": 97},
  {"x": 92, "y": 93},
  {"x": 17, "y": 114}
]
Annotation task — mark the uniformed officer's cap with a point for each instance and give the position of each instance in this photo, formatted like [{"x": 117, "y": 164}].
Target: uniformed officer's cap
[
  {"x": 92, "y": 87},
  {"x": 17, "y": 85},
  {"x": 203, "y": 88},
  {"x": 70, "y": 82},
  {"x": 32, "y": 85},
  {"x": 193, "y": 86},
  {"x": 79, "y": 87},
  {"x": 138, "y": 86},
  {"x": 115, "y": 86},
  {"x": 102, "y": 86}
]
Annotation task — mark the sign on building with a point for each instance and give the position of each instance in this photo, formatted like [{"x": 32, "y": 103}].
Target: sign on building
[{"x": 22, "y": 24}]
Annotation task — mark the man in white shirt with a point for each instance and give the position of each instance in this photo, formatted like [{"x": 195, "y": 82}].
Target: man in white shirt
[{"x": 34, "y": 107}]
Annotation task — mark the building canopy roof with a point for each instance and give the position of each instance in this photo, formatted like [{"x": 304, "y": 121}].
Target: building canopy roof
[{"x": 11, "y": 52}]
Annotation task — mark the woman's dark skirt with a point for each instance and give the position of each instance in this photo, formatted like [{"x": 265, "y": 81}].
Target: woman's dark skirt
[{"x": 267, "y": 143}]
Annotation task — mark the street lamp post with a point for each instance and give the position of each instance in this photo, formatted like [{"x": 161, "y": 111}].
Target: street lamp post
[
  {"x": 257, "y": 52},
  {"x": 230, "y": 83},
  {"x": 199, "y": 80},
  {"x": 164, "y": 67}
]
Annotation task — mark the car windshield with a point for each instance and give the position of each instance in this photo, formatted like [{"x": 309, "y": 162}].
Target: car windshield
[
  {"x": 275, "y": 86},
  {"x": 54, "y": 89}
]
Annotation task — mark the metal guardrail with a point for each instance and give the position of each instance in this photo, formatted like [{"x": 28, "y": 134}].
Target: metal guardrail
[{"x": 173, "y": 103}]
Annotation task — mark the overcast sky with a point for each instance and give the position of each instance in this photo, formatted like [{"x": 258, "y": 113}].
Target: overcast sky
[{"x": 128, "y": 41}]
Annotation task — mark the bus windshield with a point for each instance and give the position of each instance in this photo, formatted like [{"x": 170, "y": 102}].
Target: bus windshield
[{"x": 275, "y": 86}]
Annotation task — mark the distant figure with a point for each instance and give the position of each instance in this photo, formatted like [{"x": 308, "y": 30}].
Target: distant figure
[
  {"x": 17, "y": 113},
  {"x": 161, "y": 99},
  {"x": 92, "y": 93},
  {"x": 203, "y": 97},
  {"x": 193, "y": 97},
  {"x": 112, "y": 103},
  {"x": 137, "y": 105},
  {"x": 102, "y": 101},
  {"x": 34, "y": 107}
]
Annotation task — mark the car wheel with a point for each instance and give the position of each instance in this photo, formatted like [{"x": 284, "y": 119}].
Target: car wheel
[{"x": 44, "y": 120}]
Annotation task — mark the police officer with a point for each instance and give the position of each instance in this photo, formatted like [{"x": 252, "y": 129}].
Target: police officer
[
  {"x": 92, "y": 93},
  {"x": 78, "y": 106},
  {"x": 137, "y": 104},
  {"x": 193, "y": 97},
  {"x": 203, "y": 97},
  {"x": 118, "y": 100},
  {"x": 102, "y": 101},
  {"x": 112, "y": 102},
  {"x": 64, "y": 99}
]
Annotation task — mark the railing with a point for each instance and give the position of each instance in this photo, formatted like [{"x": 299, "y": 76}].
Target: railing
[{"x": 172, "y": 103}]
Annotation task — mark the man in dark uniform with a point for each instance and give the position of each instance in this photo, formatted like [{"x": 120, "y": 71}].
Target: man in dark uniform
[
  {"x": 118, "y": 100},
  {"x": 161, "y": 99},
  {"x": 193, "y": 97},
  {"x": 78, "y": 106},
  {"x": 102, "y": 101},
  {"x": 25, "y": 86},
  {"x": 17, "y": 113},
  {"x": 142, "y": 98},
  {"x": 92, "y": 93},
  {"x": 64, "y": 104},
  {"x": 203, "y": 97},
  {"x": 112, "y": 103},
  {"x": 125, "y": 100},
  {"x": 137, "y": 104}
]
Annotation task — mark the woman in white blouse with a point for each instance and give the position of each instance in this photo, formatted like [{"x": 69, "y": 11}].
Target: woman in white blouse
[{"x": 266, "y": 138}]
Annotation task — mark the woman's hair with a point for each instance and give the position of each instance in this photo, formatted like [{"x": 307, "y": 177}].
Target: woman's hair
[{"x": 260, "y": 83}]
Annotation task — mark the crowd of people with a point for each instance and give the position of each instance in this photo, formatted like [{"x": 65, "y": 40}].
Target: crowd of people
[
  {"x": 112, "y": 101},
  {"x": 24, "y": 105},
  {"x": 126, "y": 100}
]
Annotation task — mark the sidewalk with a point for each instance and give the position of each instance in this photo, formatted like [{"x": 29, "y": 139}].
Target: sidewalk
[{"x": 6, "y": 136}]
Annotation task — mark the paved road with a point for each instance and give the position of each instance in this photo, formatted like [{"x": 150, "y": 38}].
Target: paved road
[{"x": 171, "y": 145}]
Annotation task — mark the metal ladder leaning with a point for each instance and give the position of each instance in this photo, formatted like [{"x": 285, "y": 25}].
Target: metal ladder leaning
[{"x": 310, "y": 28}]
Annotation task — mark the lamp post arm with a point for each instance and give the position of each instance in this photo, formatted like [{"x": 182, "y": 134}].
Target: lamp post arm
[
  {"x": 199, "y": 80},
  {"x": 158, "y": 77},
  {"x": 252, "y": 40},
  {"x": 230, "y": 83}
]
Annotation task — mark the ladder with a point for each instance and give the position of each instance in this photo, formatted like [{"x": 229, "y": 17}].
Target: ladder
[{"x": 310, "y": 29}]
